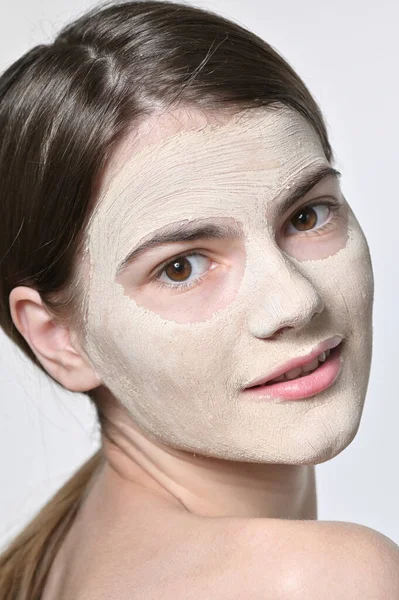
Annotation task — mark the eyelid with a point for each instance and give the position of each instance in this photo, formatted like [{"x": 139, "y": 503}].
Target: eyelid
[
  {"x": 326, "y": 199},
  {"x": 334, "y": 207},
  {"x": 184, "y": 254}
]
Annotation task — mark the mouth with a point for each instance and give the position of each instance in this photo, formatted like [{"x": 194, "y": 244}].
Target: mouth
[{"x": 303, "y": 381}]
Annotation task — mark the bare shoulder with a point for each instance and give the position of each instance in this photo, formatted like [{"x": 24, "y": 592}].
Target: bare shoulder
[
  {"x": 197, "y": 558},
  {"x": 311, "y": 559}
]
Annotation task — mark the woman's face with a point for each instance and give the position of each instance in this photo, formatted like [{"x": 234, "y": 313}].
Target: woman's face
[{"x": 176, "y": 330}]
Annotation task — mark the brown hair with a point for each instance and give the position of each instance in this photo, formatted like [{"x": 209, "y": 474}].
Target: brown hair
[{"x": 63, "y": 108}]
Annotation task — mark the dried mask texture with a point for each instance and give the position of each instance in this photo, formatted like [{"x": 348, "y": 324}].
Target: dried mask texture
[{"x": 177, "y": 362}]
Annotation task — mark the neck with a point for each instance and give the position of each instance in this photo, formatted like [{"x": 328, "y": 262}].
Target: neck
[{"x": 208, "y": 486}]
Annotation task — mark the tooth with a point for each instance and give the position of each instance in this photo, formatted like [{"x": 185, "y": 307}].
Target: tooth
[
  {"x": 293, "y": 373},
  {"x": 313, "y": 365},
  {"x": 277, "y": 379},
  {"x": 303, "y": 370}
]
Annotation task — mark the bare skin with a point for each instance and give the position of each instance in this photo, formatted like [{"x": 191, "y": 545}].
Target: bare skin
[
  {"x": 161, "y": 523},
  {"x": 132, "y": 543},
  {"x": 134, "y": 538}
]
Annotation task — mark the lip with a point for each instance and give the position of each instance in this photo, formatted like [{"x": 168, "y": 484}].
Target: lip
[
  {"x": 302, "y": 387},
  {"x": 299, "y": 361}
]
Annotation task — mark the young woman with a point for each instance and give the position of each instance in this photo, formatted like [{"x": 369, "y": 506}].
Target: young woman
[{"x": 175, "y": 244}]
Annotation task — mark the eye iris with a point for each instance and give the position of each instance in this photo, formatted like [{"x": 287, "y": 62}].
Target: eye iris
[
  {"x": 178, "y": 266},
  {"x": 303, "y": 220}
]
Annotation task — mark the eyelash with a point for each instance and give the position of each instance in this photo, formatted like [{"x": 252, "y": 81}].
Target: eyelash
[
  {"x": 180, "y": 286},
  {"x": 334, "y": 207}
]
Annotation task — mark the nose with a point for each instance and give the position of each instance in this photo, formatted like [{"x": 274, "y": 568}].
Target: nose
[{"x": 288, "y": 300}]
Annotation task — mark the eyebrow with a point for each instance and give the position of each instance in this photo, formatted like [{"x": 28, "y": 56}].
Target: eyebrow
[
  {"x": 306, "y": 185},
  {"x": 196, "y": 229}
]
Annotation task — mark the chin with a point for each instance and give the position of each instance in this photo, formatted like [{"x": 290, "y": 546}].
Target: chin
[{"x": 320, "y": 449}]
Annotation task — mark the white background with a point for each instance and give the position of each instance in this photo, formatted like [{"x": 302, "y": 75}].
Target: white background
[{"x": 347, "y": 53}]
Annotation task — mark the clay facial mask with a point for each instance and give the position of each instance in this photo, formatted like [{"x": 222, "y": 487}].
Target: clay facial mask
[{"x": 176, "y": 329}]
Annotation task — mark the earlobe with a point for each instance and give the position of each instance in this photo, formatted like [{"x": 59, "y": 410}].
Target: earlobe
[{"x": 51, "y": 342}]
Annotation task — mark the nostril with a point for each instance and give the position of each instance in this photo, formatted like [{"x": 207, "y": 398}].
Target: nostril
[{"x": 279, "y": 332}]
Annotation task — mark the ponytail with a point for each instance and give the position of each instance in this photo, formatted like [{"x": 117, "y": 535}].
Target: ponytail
[
  {"x": 25, "y": 564},
  {"x": 64, "y": 108}
]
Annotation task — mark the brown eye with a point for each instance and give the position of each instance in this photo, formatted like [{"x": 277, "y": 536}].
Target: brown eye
[
  {"x": 179, "y": 269},
  {"x": 305, "y": 219},
  {"x": 309, "y": 217},
  {"x": 181, "y": 274}
]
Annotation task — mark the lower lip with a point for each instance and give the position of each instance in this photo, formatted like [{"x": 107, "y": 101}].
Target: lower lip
[{"x": 303, "y": 387}]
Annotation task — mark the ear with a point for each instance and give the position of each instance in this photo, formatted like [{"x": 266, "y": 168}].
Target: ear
[{"x": 50, "y": 342}]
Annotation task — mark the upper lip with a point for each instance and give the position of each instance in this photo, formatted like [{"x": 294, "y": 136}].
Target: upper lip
[{"x": 299, "y": 361}]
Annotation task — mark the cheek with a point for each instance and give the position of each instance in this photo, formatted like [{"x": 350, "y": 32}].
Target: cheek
[
  {"x": 137, "y": 351},
  {"x": 217, "y": 287},
  {"x": 213, "y": 293},
  {"x": 345, "y": 280}
]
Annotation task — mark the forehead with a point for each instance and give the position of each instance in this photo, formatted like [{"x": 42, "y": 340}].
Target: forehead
[
  {"x": 189, "y": 165},
  {"x": 158, "y": 127},
  {"x": 163, "y": 130}
]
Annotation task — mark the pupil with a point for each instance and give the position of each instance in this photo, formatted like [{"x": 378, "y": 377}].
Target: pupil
[
  {"x": 179, "y": 269},
  {"x": 178, "y": 265},
  {"x": 305, "y": 219}
]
